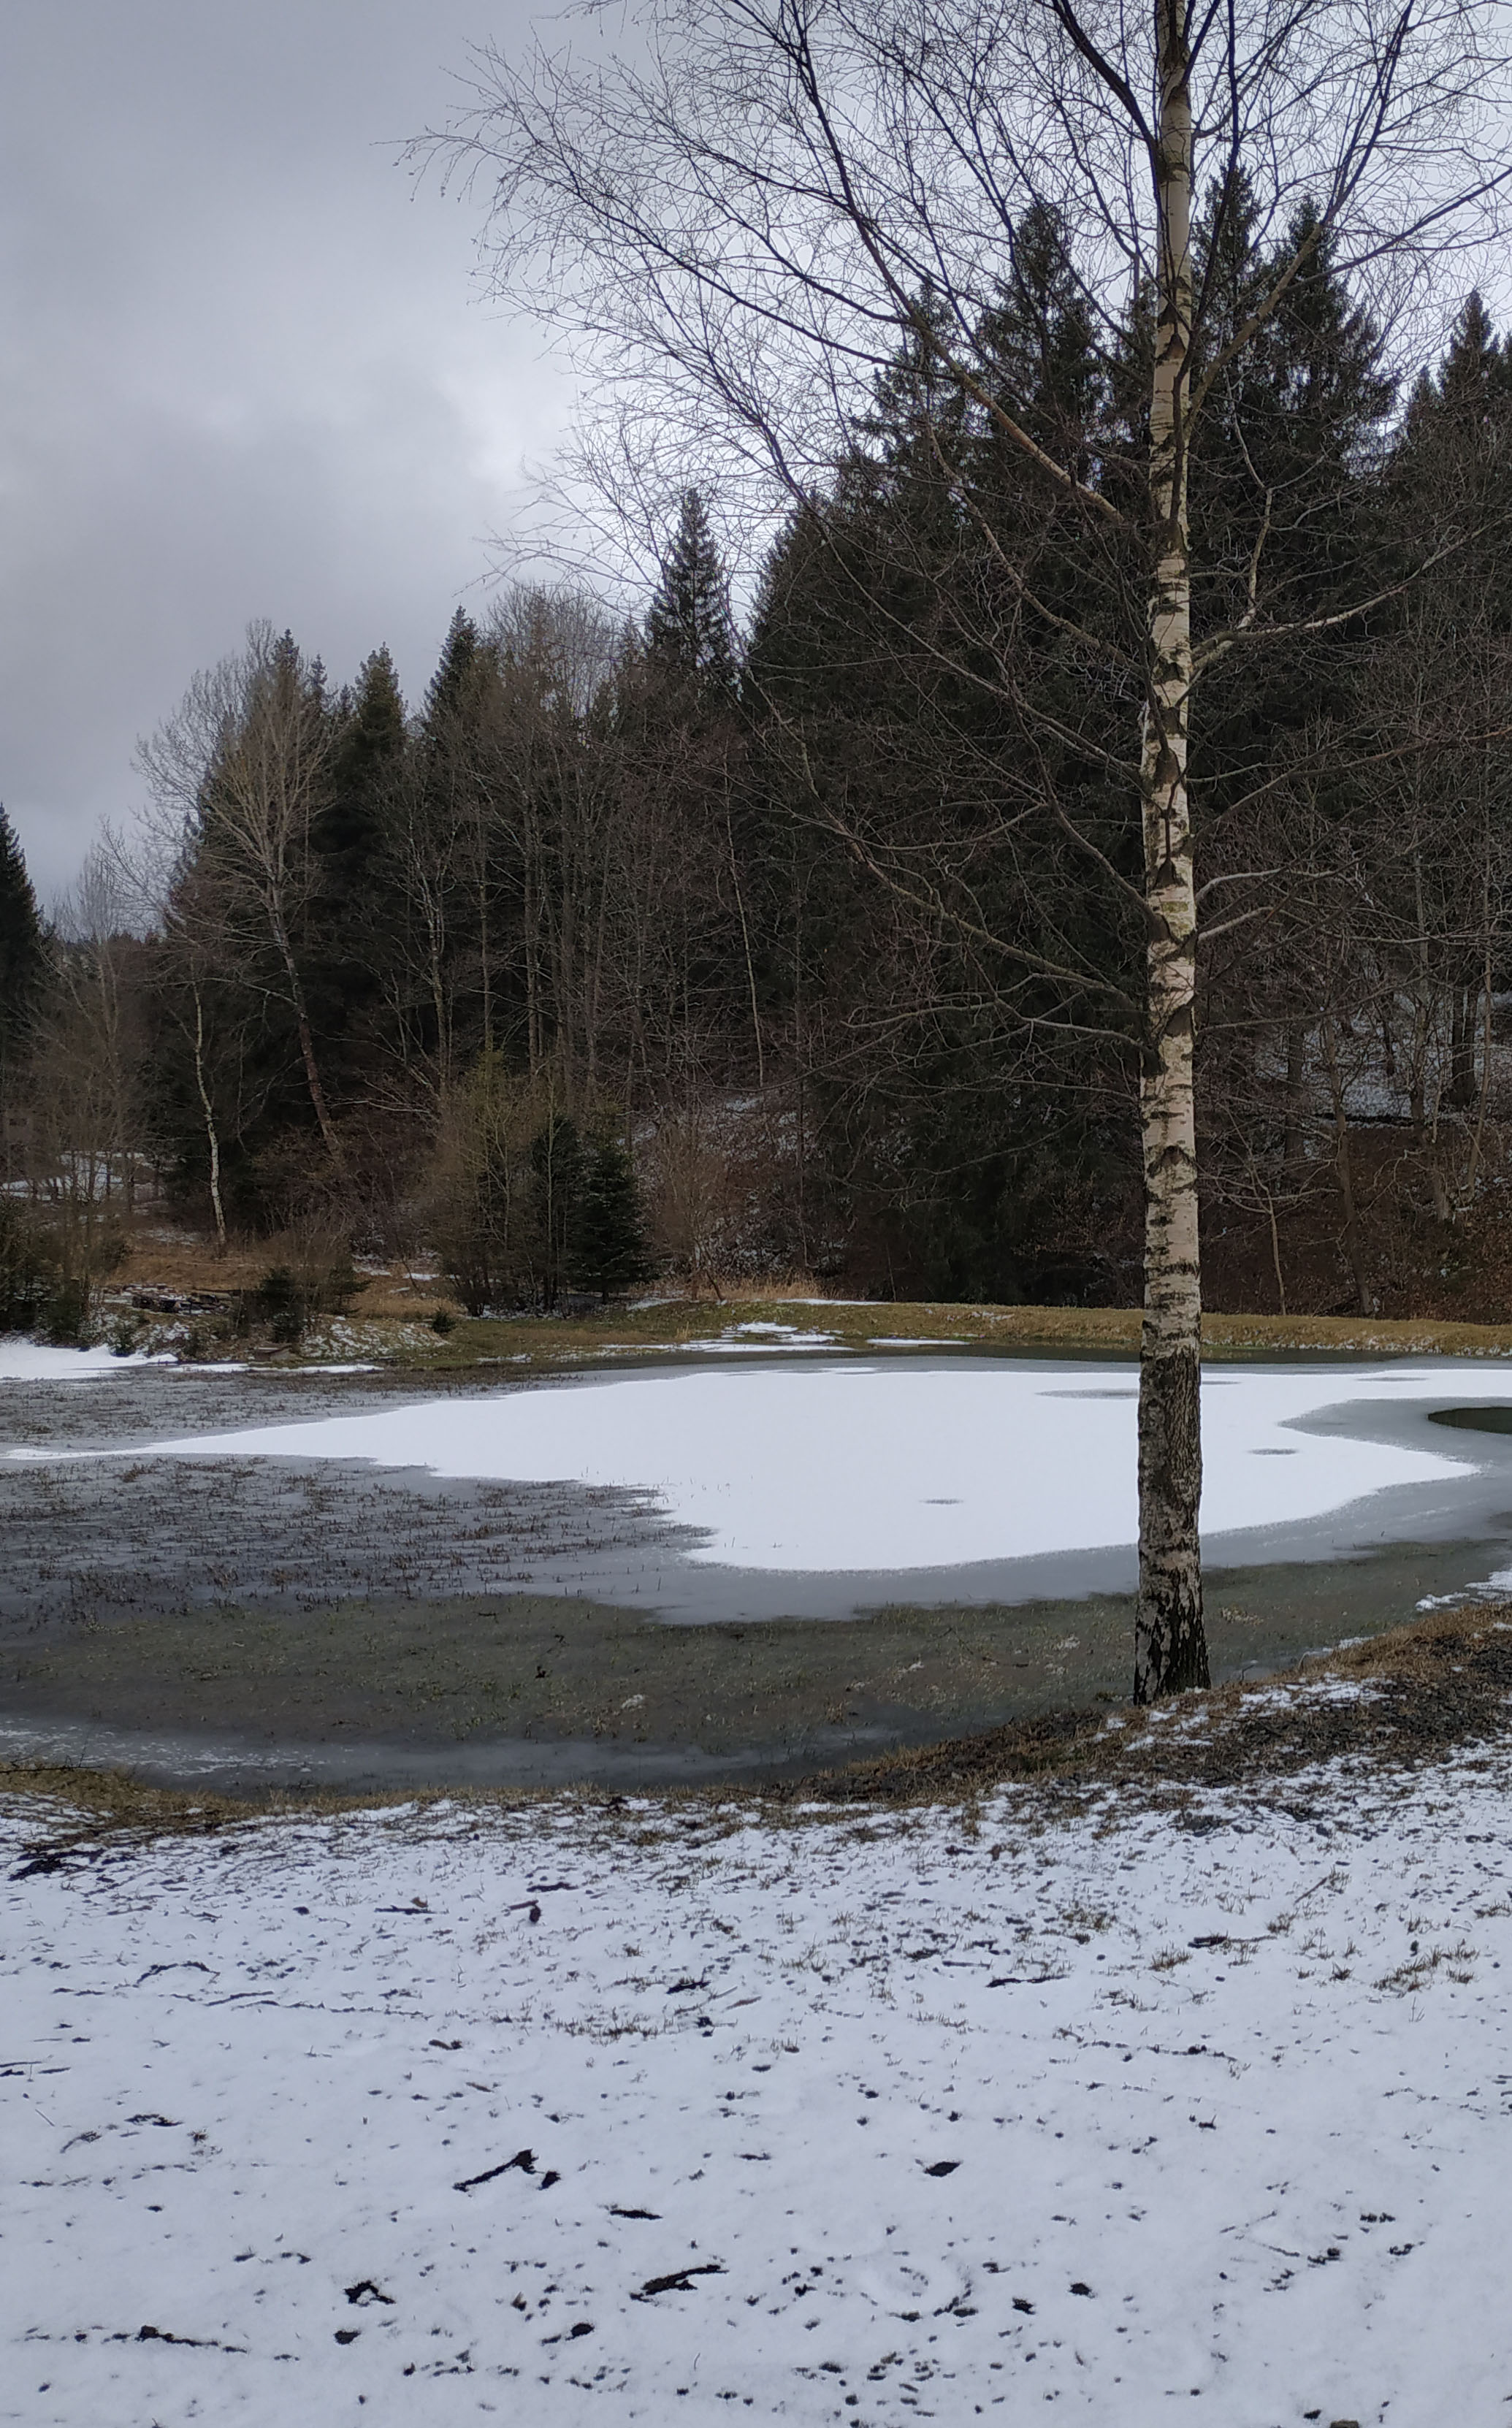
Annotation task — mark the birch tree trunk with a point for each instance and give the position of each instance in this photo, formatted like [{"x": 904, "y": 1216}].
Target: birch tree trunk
[
  {"x": 1170, "y": 1647},
  {"x": 211, "y": 1133},
  {"x": 313, "y": 1081}
]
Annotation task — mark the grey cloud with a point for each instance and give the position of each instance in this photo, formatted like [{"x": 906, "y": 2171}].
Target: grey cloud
[{"x": 251, "y": 371}]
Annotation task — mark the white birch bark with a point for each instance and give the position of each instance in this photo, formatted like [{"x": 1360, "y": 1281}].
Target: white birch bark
[
  {"x": 1170, "y": 1647},
  {"x": 211, "y": 1134}
]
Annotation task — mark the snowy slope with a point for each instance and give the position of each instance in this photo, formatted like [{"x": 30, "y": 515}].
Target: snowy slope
[{"x": 582, "y": 2115}]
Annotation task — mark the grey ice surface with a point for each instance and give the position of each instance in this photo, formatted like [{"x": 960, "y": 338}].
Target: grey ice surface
[
  {"x": 139, "y": 1535},
  {"x": 89, "y": 1540},
  {"x": 166, "y": 1534}
]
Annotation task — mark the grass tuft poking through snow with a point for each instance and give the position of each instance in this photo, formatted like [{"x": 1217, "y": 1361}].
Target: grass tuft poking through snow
[{"x": 660, "y": 2110}]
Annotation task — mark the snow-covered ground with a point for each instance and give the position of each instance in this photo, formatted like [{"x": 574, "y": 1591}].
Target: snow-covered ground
[
  {"x": 33, "y": 1361},
  {"x": 879, "y": 1464},
  {"x": 654, "y": 2114},
  {"x": 748, "y": 1337}
]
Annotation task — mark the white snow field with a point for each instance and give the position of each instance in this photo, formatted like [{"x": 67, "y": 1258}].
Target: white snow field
[
  {"x": 876, "y": 1464},
  {"x": 661, "y": 2114}
]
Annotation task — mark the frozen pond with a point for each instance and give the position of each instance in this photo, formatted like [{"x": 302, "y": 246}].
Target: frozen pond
[
  {"x": 233, "y": 1576},
  {"x": 35, "y": 1361},
  {"x": 869, "y": 1464}
]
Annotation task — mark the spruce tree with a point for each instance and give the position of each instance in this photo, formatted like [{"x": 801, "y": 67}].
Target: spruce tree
[
  {"x": 447, "y": 692},
  {"x": 350, "y": 837},
  {"x": 458, "y": 810},
  {"x": 1041, "y": 344},
  {"x": 1447, "y": 679},
  {"x": 1471, "y": 381},
  {"x": 989, "y": 1139},
  {"x": 21, "y": 952},
  {"x": 689, "y": 628},
  {"x": 1456, "y": 435},
  {"x": 1291, "y": 443},
  {"x": 371, "y": 743},
  {"x": 607, "y": 1237}
]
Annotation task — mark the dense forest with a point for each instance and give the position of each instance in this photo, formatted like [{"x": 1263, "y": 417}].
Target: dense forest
[{"x": 665, "y": 946}]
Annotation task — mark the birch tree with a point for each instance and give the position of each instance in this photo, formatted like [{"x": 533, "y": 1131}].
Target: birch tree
[
  {"x": 742, "y": 214},
  {"x": 243, "y": 767}
]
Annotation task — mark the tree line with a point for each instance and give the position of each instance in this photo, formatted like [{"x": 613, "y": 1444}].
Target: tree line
[{"x": 647, "y": 943}]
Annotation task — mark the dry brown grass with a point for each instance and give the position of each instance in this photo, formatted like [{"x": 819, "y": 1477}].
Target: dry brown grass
[
  {"x": 108, "y": 1801},
  {"x": 1116, "y": 1330},
  {"x": 1433, "y": 1688},
  {"x": 1414, "y": 1335},
  {"x": 393, "y": 1298},
  {"x": 70, "y": 1808},
  {"x": 188, "y": 1264},
  {"x": 156, "y": 1260}
]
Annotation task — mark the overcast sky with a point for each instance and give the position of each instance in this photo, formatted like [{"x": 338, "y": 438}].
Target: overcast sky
[{"x": 248, "y": 367}]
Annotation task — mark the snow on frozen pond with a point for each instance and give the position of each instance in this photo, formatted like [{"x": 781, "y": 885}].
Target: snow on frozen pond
[
  {"x": 32, "y": 1361},
  {"x": 881, "y": 1464},
  {"x": 562, "y": 2117}
]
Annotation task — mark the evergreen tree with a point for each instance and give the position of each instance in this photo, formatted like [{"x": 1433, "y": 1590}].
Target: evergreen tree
[
  {"x": 22, "y": 973},
  {"x": 607, "y": 1238},
  {"x": 1287, "y": 459},
  {"x": 1471, "y": 384},
  {"x": 996, "y": 1121},
  {"x": 689, "y": 630},
  {"x": 1042, "y": 348},
  {"x": 372, "y": 736},
  {"x": 447, "y": 691},
  {"x": 245, "y": 764},
  {"x": 29, "y": 1271},
  {"x": 350, "y": 838},
  {"x": 1440, "y": 851},
  {"x": 22, "y": 959},
  {"x": 1456, "y": 453},
  {"x": 1287, "y": 519},
  {"x": 453, "y": 833}
]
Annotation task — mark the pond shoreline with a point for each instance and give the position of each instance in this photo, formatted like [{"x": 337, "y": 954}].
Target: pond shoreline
[{"x": 269, "y": 1624}]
